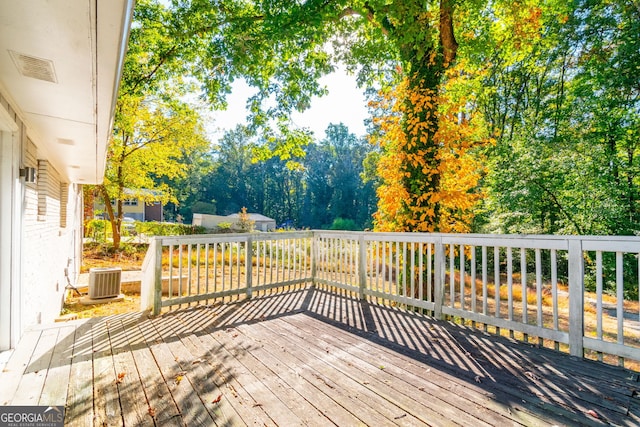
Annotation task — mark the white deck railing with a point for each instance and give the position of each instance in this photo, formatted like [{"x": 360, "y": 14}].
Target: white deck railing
[{"x": 531, "y": 288}]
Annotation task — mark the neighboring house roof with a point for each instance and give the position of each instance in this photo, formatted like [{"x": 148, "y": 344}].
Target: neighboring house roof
[
  {"x": 141, "y": 193},
  {"x": 61, "y": 62},
  {"x": 252, "y": 217}
]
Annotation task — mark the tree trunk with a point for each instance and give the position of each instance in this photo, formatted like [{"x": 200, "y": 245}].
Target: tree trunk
[
  {"x": 427, "y": 69},
  {"x": 113, "y": 219}
]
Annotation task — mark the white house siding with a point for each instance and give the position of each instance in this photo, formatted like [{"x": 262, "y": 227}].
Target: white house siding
[
  {"x": 47, "y": 223},
  {"x": 48, "y": 247}
]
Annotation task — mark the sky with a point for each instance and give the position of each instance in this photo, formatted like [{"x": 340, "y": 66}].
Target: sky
[{"x": 344, "y": 103}]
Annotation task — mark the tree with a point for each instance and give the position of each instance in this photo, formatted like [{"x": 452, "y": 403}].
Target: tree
[
  {"x": 565, "y": 114},
  {"x": 334, "y": 185},
  {"x": 155, "y": 130},
  {"x": 151, "y": 141}
]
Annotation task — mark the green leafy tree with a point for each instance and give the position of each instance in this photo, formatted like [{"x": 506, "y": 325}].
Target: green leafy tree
[
  {"x": 333, "y": 176},
  {"x": 565, "y": 112},
  {"x": 151, "y": 141}
]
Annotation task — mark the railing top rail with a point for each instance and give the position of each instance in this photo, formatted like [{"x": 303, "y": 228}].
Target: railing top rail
[
  {"x": 232, "y": 237},
  {"x": 537, "y": 241},
  {"x": 533, "y": 241},
  {"x": 477, "y": 235}
]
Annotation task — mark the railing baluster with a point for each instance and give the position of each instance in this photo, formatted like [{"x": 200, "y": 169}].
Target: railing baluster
[
  {"x": 206, "y": 271},
  {"x": 421, "y": 271},
  {"x": 485, "y": 283},
  {"x": 403, "y": 269},
  {"x": 554, "y": 292},
  {"x": 620, "y": 302},
  {"x": 232, "y": 249},
  {"x": 439, "y": 278},
  {"x": 248, "y": 265},
  {"x": 180, "y": 274},
  {"x": 496, "y": 280},
  {"x": 429, "y": 273},
  {"x": 510, "y": 285},
  {"x": 525, "y": 289},
  {"x": 170, "y": 284},
  {"x": 473, "y": 281},
  {"x": 189, "y": 269},
  {"x": 238, "y": 252},
  {"x": 599, "y": 298},
  {"x": 223, "y": 277},
  {"x": 462, "y": 277},
  {"x": 215, "y": 267},
  {"x": 397, "y": 270},
  {"x": 452, "y": 274},
  {"x": 373, "y": 268},
  {"x": 539, "y": 317},
  {"x": 412, "y": 274}
]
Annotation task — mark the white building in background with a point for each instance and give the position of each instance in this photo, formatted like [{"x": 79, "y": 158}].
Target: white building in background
[
  {"x": 260, "y": 222},
  {"x": 60, "y": 67}
]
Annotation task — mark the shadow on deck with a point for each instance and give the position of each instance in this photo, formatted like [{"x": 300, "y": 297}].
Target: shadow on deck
[{"x": 306, "y": 357}]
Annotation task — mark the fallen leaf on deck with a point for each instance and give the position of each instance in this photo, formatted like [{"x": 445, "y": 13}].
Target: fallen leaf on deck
[
  {"x": 178, "y": 379},
  {"x": 120, "y": 377},
  {"x": 532, "y": 375},
  {"x": 152, "y": 412},
  {"x": 217, "y": 399},
  {"x": 593, "y": 413}
]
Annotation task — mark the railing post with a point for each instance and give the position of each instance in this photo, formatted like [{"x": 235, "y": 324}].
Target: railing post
[
  {"x": 362, "y": 266},
  {"x": 248, "y": 260},
  {"x": 439, "y": 270},
  {"x": 576, "y": 298},
  {"x": 157, "y": 276}
]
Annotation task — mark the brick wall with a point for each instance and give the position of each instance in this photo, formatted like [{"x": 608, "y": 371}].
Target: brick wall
[{"x": 51, "y": 234}]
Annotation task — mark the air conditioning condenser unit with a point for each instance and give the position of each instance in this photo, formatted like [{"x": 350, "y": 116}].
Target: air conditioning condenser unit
[{"x": 104, "y": 282}]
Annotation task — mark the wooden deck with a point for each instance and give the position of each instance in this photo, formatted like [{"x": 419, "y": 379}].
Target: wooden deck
[{"x": 307, "y": 357}]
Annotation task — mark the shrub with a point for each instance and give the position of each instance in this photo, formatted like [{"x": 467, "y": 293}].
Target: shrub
[{"x": 343, "y": 224}]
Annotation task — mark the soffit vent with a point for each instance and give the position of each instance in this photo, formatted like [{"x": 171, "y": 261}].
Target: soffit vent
[{"x": 37, "y": 68}]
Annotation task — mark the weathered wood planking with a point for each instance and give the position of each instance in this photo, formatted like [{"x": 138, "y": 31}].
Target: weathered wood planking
[
  {"x": 32, "y": 382},
  {"x": 160, "y": 406},
  {"x": 308, "y": 357},
  {"x": 54, "y": 392},
  {"x": 131, "y": 393},
  {"x": 167, "y": 354},
  {"x": 79, "y": 398},
  {"x": 16, "y": 365},
  {"x": 106, "y": 402}
]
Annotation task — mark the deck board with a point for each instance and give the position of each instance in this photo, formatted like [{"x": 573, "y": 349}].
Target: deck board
[
  {"x": 130, "y": 386},
  {"x": 107, "y": 410},
  {"x": 307, "y": 357},
  {"x": 166, "y": 351},
  {"x": 32, "y": 382},
  {"x": 16, "y": 366},
  {"x": 79, "y": 397},
  {"x": 54, "y": 391}
]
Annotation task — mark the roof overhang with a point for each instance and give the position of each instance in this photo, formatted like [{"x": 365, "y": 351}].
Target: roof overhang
[{"x": 60, "y": 65}]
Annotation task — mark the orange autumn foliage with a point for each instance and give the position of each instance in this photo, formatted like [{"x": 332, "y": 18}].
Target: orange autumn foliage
[{"x": 430, "y": 143}]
